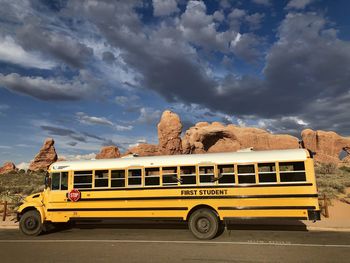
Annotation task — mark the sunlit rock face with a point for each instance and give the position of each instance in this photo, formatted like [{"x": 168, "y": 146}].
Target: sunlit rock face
[
  {"x": 46, "y": 156},
  {"x": 327, "y": 145},
  {"x": 108, "y": 152},
  {"x": 169, "y": 132},
  {"x": 216, "y": 137},
  {"x": 8, "y": 167}
]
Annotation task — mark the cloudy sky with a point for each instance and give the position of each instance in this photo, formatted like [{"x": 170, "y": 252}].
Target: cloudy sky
[{"x": 92, "y": 73}]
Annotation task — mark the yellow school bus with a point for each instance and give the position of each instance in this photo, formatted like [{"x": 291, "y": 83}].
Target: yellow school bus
[{"x": 203, "y": 189}]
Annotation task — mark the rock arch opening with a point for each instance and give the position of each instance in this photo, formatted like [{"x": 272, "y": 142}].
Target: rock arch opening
[{"x": 345, "y": 152}]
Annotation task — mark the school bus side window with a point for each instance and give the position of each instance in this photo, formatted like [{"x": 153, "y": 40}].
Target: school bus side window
[
  {"x": 118, "y": 178},
  {"x": 226, "y": 174},
  {"x": 188, "y": 174},
  {"x": 206, "y": 174},
  {"x": 55, "y": 181},
  {"x": 82, "y": 179},
  {"x": 292, "y": 171},
  {"x": 267, "y": 173},
  {"x": 246, "y": 174},
  {"x": 101, "y": 178},
  {"x": 134, "y": 177},
  {"x": 59, "y": 181},
  {"x": 152, "y": 176},
  {"x": 64, "y": 181},
  {"x": 169, "y": 176}
]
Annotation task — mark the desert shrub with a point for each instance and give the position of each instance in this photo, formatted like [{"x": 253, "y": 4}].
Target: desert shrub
[
  {"x": 20, "y": 184},
  {"x": 328, "y": 168},
  {"x": 332, "y": 184},
  {"x": 345, "y": 169}
]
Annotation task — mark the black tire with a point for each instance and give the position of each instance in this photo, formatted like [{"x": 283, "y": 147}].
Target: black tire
[
  {"x": 204, "y": 224},
  {"x": 30, "y": 223}
]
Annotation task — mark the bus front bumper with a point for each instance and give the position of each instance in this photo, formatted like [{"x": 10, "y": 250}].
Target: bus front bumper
[{"x": 314, "y": 215}]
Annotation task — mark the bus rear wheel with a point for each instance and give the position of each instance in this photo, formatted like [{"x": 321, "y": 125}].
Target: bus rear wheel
[
  {"x": 30, "y": 223},
  {"x": 204, "y": 224}
]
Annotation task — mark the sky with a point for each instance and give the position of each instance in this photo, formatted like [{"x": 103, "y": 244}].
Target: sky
[{"x": 94, "y": 73}]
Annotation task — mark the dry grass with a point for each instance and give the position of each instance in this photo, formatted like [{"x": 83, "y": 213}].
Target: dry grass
[
  {"x": 331, "y": 180},
  {"x": 15, "y": 186}
]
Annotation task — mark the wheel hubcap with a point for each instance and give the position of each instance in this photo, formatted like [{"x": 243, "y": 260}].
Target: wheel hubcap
[
  {"x": 31, "y": 223},
  {"x": 203, "y": 225}
]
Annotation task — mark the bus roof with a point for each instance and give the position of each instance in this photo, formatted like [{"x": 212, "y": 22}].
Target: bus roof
[{"x": 185, "y": 159}]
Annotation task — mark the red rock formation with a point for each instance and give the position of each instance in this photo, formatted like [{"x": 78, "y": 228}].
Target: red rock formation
[
  {"x": 216, "y": 137},
  {"x": 46, "y": 156},
  {"x": 8, "y": 167},
  {"x": 143, "y": 149},
  {"x": 108, "y": 152},
  {"x": 169, "y": 131},
  {"x": 327, "y": 145}
]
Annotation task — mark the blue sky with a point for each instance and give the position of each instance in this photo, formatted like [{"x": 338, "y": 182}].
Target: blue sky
[{"x": 92, "y": 73}]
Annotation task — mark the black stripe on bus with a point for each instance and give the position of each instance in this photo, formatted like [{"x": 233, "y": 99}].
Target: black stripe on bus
[
  {"x": 123, "y": 219},
  {"x": 119, "y": 209},
  {"x": 264, "y": 218},
  {"x": 197, "y": 197},
  {"x": 193, "y": 186},
  {"x": 265, "y": 207}
]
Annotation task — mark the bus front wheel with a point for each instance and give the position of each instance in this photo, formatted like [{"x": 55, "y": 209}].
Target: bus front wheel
[
  {"x": 204, "y": 224},
  {"x": 30, "y": 223}
]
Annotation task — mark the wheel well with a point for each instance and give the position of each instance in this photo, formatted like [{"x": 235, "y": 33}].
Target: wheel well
[
  {"x": 28, "y": 209},
  {"x": 19, "y": 215},
  {"x": 199, "y": 207}
]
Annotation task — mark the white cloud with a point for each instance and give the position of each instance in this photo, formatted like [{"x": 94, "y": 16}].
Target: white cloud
[
  {"x": 164, "y": 7},
  {"x": 201, "y": 29},
  {"x": 149, "y": 116},
  {"x": 23, "y": 166},
  {"x": 13, "y": 53},
  {"x": 78, "y": 157},
  {"x": 93, "y": 120},
  {"x": 298, "y": 4},
  {"x": 5, "y": 147}
]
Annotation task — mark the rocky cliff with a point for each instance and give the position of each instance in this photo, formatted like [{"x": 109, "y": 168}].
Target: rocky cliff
[
  {"x": 216, "y": 137},
  {"x": 46, "y": 156},
  {"x": 327, "y": 145},
  {"x": 169, "y": 132},
  {"x": 108, "y": 152},
  {"x": 8, "y": 167}
]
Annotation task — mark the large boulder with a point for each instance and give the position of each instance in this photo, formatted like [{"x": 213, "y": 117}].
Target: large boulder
[
  {"x": 327, "y": 145},
  {"x": 8, "y": 167},
  {"x": 169, "y": 132},
  {"x": 46, "y": 156},
  {"x": 143, "y": 149},
  {"x": 108, "y": 152},
  {"x": 216, "y": 137}
]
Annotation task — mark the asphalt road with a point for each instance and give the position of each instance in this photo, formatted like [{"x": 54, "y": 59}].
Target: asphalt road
[{"x": 174, "y": 243}]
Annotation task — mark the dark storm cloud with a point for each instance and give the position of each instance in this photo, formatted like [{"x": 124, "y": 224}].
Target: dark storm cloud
[
  {"x": 93, "y": 136},
  {"x": 108, "y": 57},
  {"x": 307, "y": 64},
  {"x": 47, "y": 89},
  {"x": 76, "y": 136},
  {"x": 72, "y": 143},
  {"x": 63, "y": 132},
  {"x": 34, "y": 37}
]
